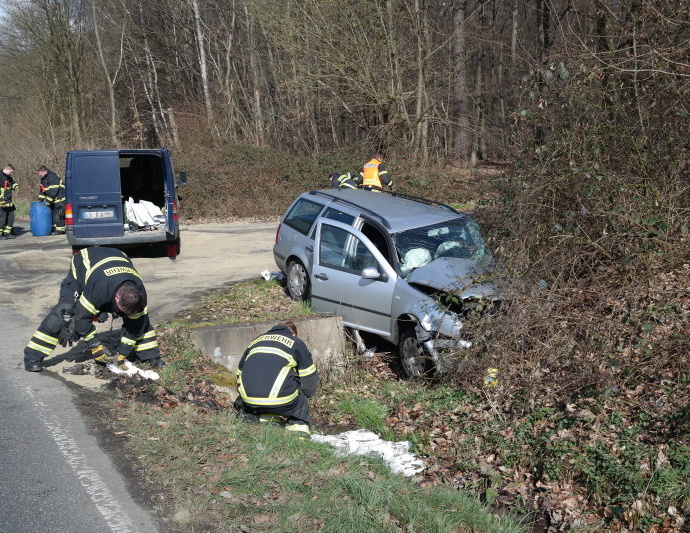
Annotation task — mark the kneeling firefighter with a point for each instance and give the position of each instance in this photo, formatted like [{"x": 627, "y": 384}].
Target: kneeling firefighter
[
  {"x": 100, "y": 281},
  {"x": 276, "y": 376}
]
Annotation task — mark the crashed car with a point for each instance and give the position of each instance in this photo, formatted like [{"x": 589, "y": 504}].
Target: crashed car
[{"x": 404, "y": 268}]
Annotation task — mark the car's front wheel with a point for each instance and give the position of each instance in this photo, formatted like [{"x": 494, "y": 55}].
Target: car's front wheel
[
  {"x": 297, "y": 281},
  {"x": 414, "y": 358}
]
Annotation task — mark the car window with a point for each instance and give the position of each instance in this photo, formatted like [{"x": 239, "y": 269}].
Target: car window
[
  {"x": 378, "y": 239},
  {"x": 458, "y": 238},
  {"x": 343, "y": 251},
  {"x": 339, "y": 216},
  {"x": 302, "y": 215}
]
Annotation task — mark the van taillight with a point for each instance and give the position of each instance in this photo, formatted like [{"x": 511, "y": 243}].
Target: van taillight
[
  {"x": 69, "y": 219},
  {"x": 175, "y": 210}
]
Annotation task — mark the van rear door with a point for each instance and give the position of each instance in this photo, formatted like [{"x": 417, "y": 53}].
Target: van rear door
[
  {"x": 170, "y": 209},
  {"x": 92, "y": 180}
]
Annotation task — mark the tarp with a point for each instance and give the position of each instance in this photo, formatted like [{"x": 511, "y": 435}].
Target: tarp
[{"x": 143, "y": 213}]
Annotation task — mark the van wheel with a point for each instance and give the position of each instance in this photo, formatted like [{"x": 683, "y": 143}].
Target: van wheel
[
  {"x": 297, "y": 281},
  {"x": 415, "y": 361}
]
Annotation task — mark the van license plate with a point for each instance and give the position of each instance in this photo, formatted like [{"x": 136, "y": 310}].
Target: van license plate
[{"x": 91, "y": 215}]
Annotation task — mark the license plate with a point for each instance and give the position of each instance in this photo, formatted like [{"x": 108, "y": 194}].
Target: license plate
[{"x": 94, "y": 215}]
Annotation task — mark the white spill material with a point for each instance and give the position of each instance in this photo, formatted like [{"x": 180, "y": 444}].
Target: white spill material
[
  {"x": 131, "y": 369},
  {"x": 363, "y": 442}
]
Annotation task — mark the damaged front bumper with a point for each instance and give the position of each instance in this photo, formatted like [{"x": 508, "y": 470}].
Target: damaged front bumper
[{"x": 440, "y": 345}]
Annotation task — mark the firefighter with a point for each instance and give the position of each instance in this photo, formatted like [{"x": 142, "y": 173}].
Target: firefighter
[
  {"x": 100, "y": 281},
  {"x": 349, "y": 180},
  {"x": 7, "y": 208},
  {"x": 276, "y": 376},
  {"x": 375, "y": 175},
  {"x": 53, "y": 194}
]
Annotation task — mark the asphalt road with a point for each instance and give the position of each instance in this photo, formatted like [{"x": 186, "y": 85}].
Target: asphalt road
[{"x": 57, "y": 474}]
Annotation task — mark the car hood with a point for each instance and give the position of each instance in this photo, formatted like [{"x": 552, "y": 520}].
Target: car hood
[{"x": 471, "y": 278}]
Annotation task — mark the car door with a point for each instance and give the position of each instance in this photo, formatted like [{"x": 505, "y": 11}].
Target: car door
[{"x": 351, "y": 278}]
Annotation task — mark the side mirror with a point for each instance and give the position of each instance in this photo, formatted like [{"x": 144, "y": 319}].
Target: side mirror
[
  {"x": 371, "y": 273},
  {"x": 181, "y": 179}
]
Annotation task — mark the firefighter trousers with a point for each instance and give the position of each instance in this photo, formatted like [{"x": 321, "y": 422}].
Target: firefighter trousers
[{"x": 296, "y": 412}]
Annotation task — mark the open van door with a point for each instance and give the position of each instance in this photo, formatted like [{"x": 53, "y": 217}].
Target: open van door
[
  {"x": 92, "y": 183},
  {"x": 171, "y": 216}
]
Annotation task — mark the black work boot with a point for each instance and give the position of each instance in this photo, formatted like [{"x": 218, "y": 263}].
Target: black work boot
[
  {"x": 33, "y": 366},
  {"x": 156, "y": 363}
]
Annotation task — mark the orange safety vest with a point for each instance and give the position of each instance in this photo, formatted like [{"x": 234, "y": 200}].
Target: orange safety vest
[{"x": 371, "y": 174}]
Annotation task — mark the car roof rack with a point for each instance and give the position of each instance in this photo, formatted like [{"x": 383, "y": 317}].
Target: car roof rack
[{"x": 419, "y": 199}]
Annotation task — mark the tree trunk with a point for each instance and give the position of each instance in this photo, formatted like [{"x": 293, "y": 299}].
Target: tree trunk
[
  {"x": 256, "y": 91},
  {"x": 110, "y": 79},
  {"x": 460, "y": 121},
  {"x": 201, "y": 50},
  {"x": 478, "y": 112}
]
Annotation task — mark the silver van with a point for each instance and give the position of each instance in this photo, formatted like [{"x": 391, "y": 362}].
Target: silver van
[{"x": 404, "y": 268}]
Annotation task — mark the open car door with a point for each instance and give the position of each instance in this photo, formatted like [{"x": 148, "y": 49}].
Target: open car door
[{"x": 351, "y": 278}]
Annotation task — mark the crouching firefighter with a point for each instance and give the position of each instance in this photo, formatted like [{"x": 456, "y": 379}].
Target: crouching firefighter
[
  {"x": 348, "y": 180},
  {"x": 100, "y": 281},
  {"x": 276, "y": 376}
]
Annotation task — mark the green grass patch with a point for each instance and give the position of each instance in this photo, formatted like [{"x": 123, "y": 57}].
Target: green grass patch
[
  {"x": 247, "y": 302},
  {"x": 216, "y": 471}
]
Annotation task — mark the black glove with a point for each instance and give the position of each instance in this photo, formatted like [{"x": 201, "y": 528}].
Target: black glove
[
  {"x": 102, "y": 317},
  {"x": 65, "y": 310},
  {"x": 68, "y": 334}
]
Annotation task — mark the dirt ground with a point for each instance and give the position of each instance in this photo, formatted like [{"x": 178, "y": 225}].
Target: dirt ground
[{"x": 212, "y": 256}]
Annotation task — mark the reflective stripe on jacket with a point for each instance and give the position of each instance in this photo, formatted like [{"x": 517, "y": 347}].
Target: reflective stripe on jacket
[
  {"x": 52, "y": 189},
  {"x": 272, "y": 367},
  {"x": 371, "y": 174}
]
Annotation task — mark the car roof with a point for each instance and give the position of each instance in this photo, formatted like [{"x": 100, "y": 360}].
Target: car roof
[{"x": 397, "y": 212}]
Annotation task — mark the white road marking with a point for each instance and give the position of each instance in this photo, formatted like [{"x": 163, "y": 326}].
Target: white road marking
[{"x": 116, "y": 519}]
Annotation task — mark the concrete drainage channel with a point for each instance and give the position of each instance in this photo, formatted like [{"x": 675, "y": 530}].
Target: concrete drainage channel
[{"x": 324, "y": 336}]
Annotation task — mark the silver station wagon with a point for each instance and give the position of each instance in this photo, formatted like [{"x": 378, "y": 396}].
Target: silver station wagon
[{"x": 404, "y": 268}]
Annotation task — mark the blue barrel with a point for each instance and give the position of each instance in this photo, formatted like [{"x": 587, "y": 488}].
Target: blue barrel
[{"x": 40, "y": 219}]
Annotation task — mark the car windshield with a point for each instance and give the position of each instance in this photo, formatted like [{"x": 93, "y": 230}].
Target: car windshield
[{"x": 455, "y": 238}]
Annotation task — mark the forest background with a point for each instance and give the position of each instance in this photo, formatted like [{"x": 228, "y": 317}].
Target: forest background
[{"x": 564, "y": 123}]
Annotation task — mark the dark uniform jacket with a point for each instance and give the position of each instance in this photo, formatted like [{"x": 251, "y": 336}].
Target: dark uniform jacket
[
  {"x": 7, "y": 186},
  {"x": 95, "y": 275},
  {"x": 348, "y": 180},
  {"x": 274, "y": 368},
  {"x": 52, "y": 189}
]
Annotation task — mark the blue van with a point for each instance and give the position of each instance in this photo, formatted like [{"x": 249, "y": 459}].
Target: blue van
[{"x": 126, "y": 199}]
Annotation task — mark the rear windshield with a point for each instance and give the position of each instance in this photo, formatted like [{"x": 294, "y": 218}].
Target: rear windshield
[{"x": 302, "y": 215}]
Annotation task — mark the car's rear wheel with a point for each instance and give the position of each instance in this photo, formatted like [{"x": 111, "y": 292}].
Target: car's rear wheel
[
  {"x": 415, "y": 360},
  {"x": 297, "y": 281}
]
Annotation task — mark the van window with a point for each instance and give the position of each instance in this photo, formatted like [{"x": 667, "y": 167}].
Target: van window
[{"x": 302, "y": 215}]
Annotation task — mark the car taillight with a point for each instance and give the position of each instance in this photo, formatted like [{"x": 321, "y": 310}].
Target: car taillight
[
  {"x": 277, "y": 232},
  {"x": 69, "y": 219}
]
